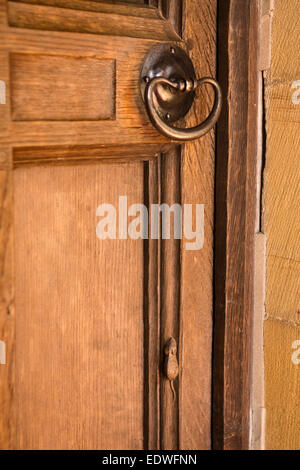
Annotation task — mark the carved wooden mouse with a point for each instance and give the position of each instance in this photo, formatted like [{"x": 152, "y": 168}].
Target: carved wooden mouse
[{"x": 171, "y": 363}]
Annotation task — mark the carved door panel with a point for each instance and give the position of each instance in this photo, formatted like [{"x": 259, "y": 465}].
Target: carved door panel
[{"x": 84, "y": 320}]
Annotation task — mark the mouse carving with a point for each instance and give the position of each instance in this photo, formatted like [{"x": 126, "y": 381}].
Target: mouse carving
[{"x": 171, "y": 363}]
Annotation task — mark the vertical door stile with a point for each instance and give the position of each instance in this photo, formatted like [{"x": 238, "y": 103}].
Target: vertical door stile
[
  {"x": 170, "y": 299},
  {"x": 7, "y": 310},
  {"x": 151, "y": 312}
]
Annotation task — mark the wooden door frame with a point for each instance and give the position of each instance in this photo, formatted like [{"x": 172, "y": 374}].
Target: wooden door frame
[{"x": 235, "y": 212}]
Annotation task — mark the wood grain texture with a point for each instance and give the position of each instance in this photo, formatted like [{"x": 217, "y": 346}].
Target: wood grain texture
[
  {"x": 7, "y": 313},
  {"x": 281, "y": 224},
  {"x": 53, "y": 159},
  {"x": 172, "y": 10},
  {"x": 23, "y": 15},
  {"x": 197, "y": 180},
  {"x": 137, "y": 8},
  {"x": 84, "y": 428},
  {"x": 3, "y": 13},
  {"x": 74, "y": 154},
  {"x": 152, "y": 314},
  {"x": 170, "y": 280},
  {"x": 62, "y": 88},
  {"x": 132, "y": 124},
  {"x": 235, "y": 222},
  {"x": 79, "y": 304},
  {"x": 4, "y": 107},
  {"x": 7, "y": 310}
]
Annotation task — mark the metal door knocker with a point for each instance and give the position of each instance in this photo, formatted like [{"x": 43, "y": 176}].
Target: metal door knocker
[{"x": 168, "y": 83}]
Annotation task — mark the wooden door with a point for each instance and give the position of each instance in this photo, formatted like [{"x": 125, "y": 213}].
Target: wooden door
[{"x": 84, "y": 321}]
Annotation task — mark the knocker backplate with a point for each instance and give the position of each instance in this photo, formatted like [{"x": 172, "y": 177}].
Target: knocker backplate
[{"x": 171, "y": 62}]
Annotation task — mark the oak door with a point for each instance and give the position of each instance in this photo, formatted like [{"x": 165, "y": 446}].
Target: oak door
[{"x": 84, "y": 321}]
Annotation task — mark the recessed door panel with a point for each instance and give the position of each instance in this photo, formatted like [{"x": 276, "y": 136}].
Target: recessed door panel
[{"x": 79, "y": 311}]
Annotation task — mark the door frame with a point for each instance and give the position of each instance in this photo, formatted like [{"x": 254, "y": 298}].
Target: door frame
[{"x": 235, "y": 214}]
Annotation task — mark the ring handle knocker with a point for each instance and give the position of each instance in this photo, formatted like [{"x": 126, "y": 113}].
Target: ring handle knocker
[
  {"x": 176, "y": 133},
  {"x": 167, "y": 84}
]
